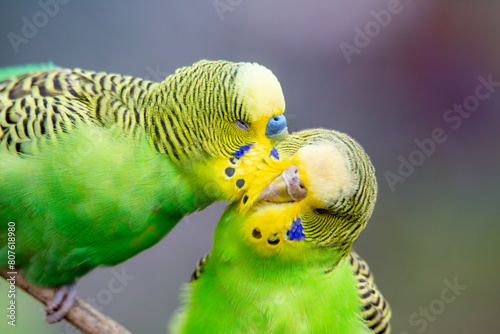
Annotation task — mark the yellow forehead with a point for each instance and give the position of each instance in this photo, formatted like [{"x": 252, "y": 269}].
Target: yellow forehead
[
  {"x": 326, "y": 173},
  {"x": 262, "y": 91}
]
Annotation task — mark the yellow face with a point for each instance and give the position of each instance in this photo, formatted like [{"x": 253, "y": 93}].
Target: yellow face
[
  {"x": 250, "y": 133},
  {"x": 253, "y": 110},
  {"x": 286, "y": 227}
]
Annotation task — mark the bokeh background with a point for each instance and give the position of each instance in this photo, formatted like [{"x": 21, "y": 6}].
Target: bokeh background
[{"x": 387, "y": 89}]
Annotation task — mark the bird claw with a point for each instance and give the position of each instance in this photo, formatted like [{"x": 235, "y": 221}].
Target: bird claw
[{"x": 61, "y": 303}]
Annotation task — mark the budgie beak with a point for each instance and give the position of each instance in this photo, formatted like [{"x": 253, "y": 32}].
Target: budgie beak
[
  {"x": 288, "y": 187},
  {"x": 276, "y": 127}
]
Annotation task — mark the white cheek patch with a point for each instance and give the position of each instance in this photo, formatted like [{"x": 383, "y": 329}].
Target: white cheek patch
[{"x": 328, "y": 172}]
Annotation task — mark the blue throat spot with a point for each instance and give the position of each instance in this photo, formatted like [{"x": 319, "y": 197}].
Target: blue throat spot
[
  {"x": 241, "y": 151},
  {"x": 297, "y": 231},
  {"x": 274, "y": 153}
]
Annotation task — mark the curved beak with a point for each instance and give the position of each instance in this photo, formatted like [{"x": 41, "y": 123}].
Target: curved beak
[{"x": 288, "y": 187}]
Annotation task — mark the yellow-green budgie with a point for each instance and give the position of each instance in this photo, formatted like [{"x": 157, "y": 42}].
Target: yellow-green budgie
[
  {"x": 96, "y": 167},
  {"x": 284, "y": 264}
]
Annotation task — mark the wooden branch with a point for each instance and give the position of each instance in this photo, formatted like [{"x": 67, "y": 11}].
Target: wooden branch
[{"x": 83, "y": 316}]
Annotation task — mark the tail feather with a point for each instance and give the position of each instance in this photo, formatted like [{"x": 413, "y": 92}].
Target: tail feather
[{"x": 12, "y": 71}]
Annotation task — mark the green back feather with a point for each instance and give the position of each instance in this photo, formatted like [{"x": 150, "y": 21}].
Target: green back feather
[{"x": 12, "y": 71}]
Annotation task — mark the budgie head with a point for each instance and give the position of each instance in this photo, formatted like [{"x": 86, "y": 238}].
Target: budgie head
[
  {"x": 220, "y": 106},
  {"x": 322, "y": 199},
  {"x": 222, "y": 116}
]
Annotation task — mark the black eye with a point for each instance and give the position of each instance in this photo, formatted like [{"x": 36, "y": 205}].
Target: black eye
[
  {"x": 320, "y": 211},
  {"x": 242, "y": 125}
]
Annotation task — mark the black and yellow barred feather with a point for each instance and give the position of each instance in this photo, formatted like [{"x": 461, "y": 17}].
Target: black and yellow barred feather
[
  {"x": 181, "y": 120},
  {"x": 41, "y": 105},
  {"x": 376, "y": 310}
]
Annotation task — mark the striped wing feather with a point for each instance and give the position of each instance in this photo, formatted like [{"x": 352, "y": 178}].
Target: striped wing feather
[
  {"x": 41, "y": 105},
  {"x": 376, "y": 310},
  {"x": 200, "y": 268}
]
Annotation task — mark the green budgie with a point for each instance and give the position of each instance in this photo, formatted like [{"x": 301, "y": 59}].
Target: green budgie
[
  {"x": 96, "y": 167},
  {"x": 285, "y": 266}
]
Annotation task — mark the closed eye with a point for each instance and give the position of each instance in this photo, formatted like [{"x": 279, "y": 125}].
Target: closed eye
[
  {"x": 242, "y": 125},
  {"x": 320, "y": 211}
]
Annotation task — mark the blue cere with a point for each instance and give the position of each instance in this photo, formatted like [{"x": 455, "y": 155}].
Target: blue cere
[
  {"x": 297, "y": 231},
  {"x": 276, "y": 125},
  {"x": 241, "y": 151},
  {"x": 275, "y": 154}
]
